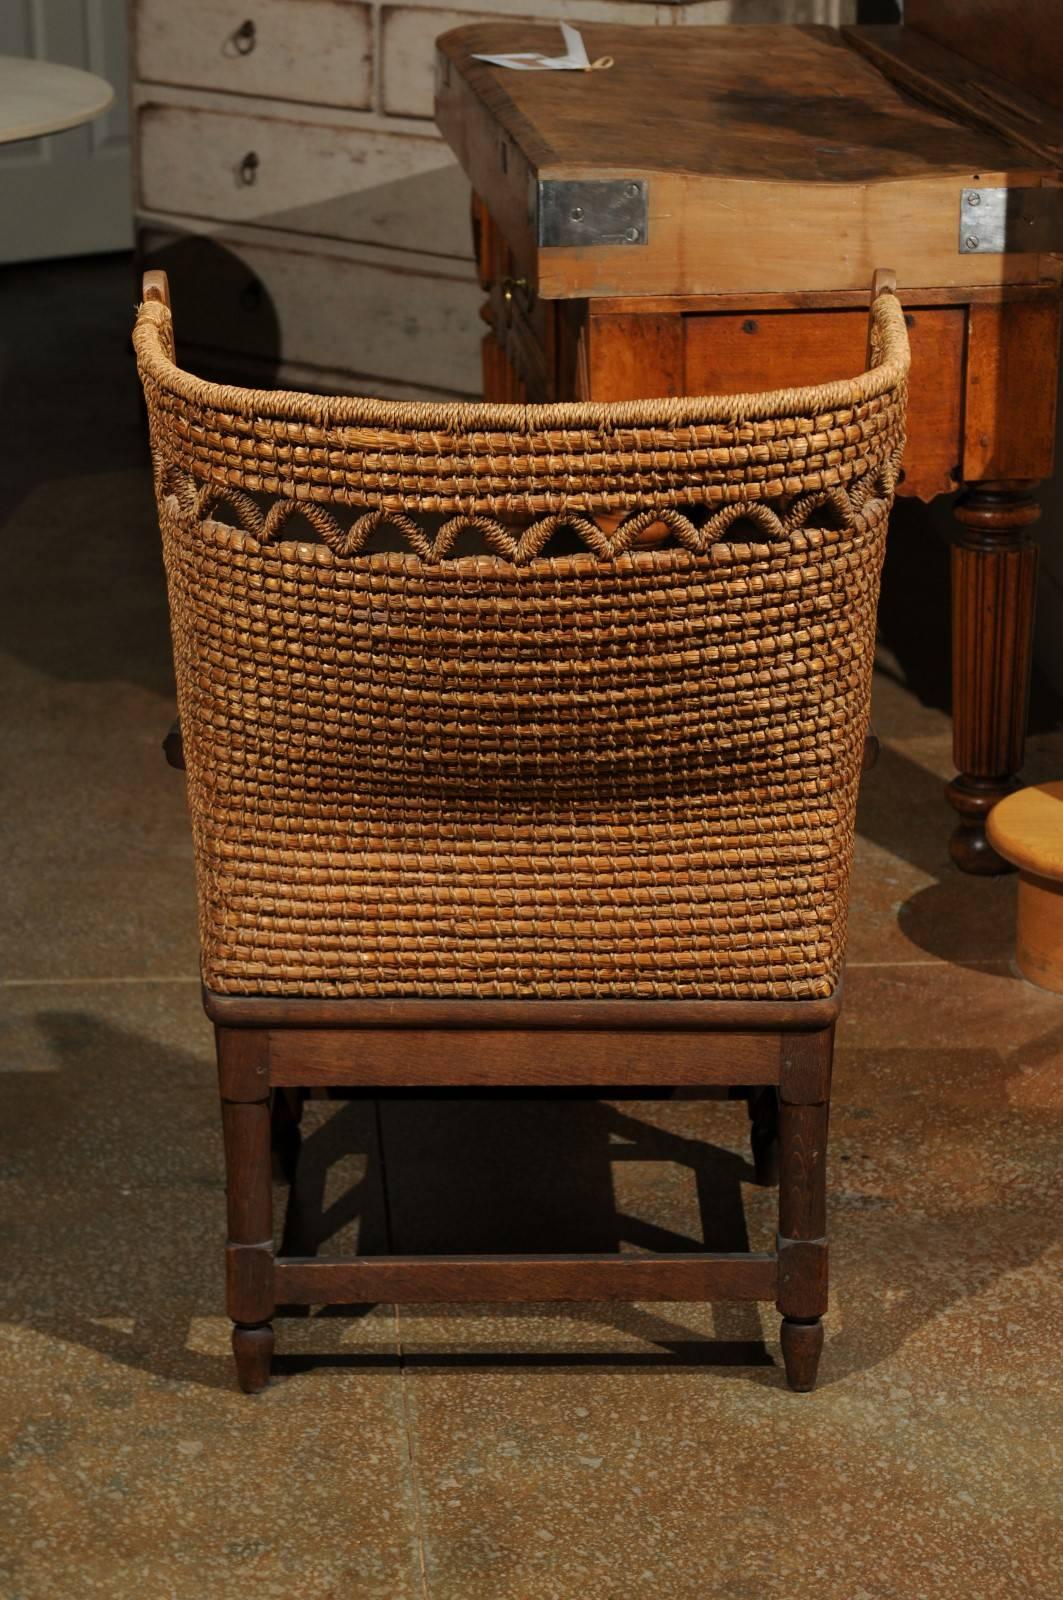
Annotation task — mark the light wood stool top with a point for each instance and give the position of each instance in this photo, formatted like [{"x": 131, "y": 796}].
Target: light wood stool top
[{"x": 1027, "y": 828}]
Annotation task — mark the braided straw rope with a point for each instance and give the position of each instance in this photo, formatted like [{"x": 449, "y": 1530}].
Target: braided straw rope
[{"x": 610, "y": 771}]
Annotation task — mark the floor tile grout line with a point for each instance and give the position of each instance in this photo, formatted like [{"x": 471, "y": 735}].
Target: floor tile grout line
[
  {"x": 404, "y": 1396},
  {"x": 85, "y": 983},
  {"x": 918, "y": 961},
  {"x": 932, "y": 961}
]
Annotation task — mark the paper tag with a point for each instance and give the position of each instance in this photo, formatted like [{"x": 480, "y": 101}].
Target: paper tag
[{"x": 574, "y": 60}]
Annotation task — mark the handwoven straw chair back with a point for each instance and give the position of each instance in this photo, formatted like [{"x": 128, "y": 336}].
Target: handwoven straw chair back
[{"x": 455, "y": 725}]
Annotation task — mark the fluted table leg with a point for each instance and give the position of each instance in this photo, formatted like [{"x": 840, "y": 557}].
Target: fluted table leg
[{"x": 994, "y": 577}]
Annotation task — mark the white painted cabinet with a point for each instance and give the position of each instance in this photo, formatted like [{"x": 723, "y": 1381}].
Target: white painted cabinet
[
  {"x": 68, "y": 194},
  {"x": 289, "y": 177}
]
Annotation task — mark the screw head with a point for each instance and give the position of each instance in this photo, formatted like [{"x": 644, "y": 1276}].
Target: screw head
[
  {"x": 576, "y": 213},
  {"x": 971, "y": 242},
  {"x": 974, "y": 198},
  {"x": 631, "y": 235},
  {"x": 632, "y": 190}
]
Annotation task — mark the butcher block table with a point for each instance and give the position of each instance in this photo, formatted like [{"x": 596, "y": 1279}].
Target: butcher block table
[{"x": 707, "y": 214}]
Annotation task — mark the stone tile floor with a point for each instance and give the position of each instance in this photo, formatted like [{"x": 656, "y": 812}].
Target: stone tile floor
[{"x": 464, "y": 1454}]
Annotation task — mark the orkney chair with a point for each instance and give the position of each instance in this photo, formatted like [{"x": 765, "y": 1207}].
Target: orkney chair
[{"x": 522, "y": 749}]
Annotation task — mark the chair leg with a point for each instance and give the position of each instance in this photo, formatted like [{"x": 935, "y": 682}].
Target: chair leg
[
  {"x": 764, "y": 1135},
  {"x": 284, "y": 1133},
  {"x": 802, "y": 1345},
  {"x": 246, "y": 1122},
  {"x": 253, "y": 1353},
  {"x": 802, "y": 1246}
]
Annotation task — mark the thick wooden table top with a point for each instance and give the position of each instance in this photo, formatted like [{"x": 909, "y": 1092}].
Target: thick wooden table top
[{"x": 773, "y": 158}]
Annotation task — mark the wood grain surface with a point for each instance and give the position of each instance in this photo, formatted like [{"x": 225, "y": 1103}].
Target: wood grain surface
[
  {"x": 776, "y": 159},
  {"x": 1022, "y": 43},
  {"x": 451, "y": 1279},
  {"x": 1027, "y": 828}
]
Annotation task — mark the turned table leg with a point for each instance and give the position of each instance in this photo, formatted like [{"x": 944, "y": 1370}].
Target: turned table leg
[{"x": 994, "y": 575}]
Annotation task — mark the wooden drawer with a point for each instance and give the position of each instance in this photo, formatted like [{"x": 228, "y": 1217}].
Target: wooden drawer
[
  {"x": 780, "y": 350},
  {"x": 396, "y": 190},
  {"x": 317, "y": 51},
  {"x": 407, "y": 53},
  {"x": 734, "y": 353},
  {"x": 279, "y": 308}
]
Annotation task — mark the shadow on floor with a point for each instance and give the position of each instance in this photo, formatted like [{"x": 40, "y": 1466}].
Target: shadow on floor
[{"x": 964, "y": 920}]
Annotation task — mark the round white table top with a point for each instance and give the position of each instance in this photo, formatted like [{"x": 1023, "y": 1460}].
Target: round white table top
[{"x": 38, "y": 97}]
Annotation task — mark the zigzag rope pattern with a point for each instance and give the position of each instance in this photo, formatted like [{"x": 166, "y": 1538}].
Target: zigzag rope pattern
[{"x": 267, "y": 526}]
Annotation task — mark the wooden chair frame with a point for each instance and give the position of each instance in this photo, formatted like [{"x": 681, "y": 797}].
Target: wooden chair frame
[{"x": 778, "y": 1052}]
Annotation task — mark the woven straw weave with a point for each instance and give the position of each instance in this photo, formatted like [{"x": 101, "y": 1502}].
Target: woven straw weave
[{"x": 456, "y": 725}]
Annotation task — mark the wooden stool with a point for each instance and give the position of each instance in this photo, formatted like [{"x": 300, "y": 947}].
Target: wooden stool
[{"x": 1027, "y": 829}]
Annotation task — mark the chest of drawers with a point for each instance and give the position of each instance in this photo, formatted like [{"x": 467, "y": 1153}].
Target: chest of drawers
[{"x": 290, "y": 179}]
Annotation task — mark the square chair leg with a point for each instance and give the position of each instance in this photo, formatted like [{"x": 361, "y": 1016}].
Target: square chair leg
[
  {"x": 246, "y": 1123},
  {"x": 804, "y": 1104}
]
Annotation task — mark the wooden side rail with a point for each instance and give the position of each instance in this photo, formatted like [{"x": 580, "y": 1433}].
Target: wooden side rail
[
  {"x": 406, "y": 1057},
  {"x": 453, "y": 1279}
]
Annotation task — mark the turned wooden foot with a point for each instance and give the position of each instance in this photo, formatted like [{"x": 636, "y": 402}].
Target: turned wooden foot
[
  {"x": 253, "y": 1349},
  {"x": 973, "y": 799},
  {"x": 764, "y": 1136},
  {"x": 802, "y": 1343},
  {"x": 994, "y": 577}
]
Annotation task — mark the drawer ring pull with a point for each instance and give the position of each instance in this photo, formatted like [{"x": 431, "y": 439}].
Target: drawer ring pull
[
  {"x": 245, "y": 38},
  {"x": 249, "y": 168}
]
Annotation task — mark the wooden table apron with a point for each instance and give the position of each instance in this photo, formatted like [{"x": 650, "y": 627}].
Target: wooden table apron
[{"x": 769, "y": 222}]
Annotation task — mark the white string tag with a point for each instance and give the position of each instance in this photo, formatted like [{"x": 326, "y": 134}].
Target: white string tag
[{"x": 575, "y": 58}]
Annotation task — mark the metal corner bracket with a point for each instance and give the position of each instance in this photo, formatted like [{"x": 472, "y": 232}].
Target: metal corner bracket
[
  {"x": 592, "y": 211},
  {"x": 998, "y": 221}
]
